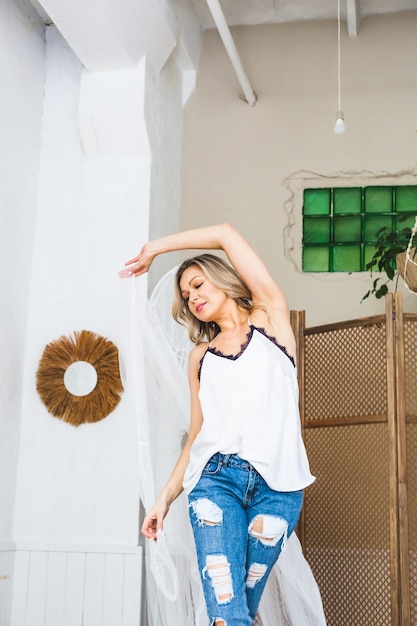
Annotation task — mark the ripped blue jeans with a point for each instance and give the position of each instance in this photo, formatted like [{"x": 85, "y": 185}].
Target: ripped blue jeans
[{"x": 240, "y": 526}]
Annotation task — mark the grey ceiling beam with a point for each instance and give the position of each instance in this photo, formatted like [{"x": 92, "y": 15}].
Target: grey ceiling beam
[
  {"x": 353, "y": 17},
  {"x": 228, "y": 42}
]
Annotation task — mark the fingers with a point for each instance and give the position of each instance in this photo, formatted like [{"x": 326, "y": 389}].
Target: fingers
[
  {"x": 152, "y": 527},
  {"x": 149, "y": 528},
  {"x": 135, "y": 267},
  {"x": 126, "y": 273},
  {"x": 132, "y": 270}
]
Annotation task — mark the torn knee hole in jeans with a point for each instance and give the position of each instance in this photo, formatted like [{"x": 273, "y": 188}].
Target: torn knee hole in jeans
[
  {"x": 255, "y": 574},
  {"x": 218, "y": 569},
  {"x": 269, "y": 529},
  {"x": 218, "y": 622},
  {"x": 207, "y": 512}
]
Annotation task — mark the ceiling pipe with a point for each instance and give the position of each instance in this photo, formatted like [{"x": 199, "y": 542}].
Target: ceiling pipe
[
  {"x": 353, "y": 17},
  {"x": 229, "y": 44}
]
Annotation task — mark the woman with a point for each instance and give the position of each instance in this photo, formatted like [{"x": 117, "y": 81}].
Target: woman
[{"x": 244, "y": 465}]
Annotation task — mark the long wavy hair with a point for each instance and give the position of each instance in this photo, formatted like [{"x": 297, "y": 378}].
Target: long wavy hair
[{"x": 222, "y": 275}]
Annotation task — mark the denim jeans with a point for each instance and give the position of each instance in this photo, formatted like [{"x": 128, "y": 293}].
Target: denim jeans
[{"x": 240, "y": 526}]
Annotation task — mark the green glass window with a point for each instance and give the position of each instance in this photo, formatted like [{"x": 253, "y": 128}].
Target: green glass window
[{"x": 340, "y": 224}]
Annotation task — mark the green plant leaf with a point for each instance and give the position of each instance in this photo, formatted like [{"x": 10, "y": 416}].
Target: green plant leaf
[
  {"x": 382, "y": 291},
  {"x": 389, "y": 243},
  {"x": 390, "y": 272}
]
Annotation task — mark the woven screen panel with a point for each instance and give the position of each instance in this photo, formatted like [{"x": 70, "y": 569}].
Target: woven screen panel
[
  {"x": 410, "y": 354},
  {"x": 347, "y": 529},
  {"x": 412, "y": 516},
  {"x": 345, "y": 372}
]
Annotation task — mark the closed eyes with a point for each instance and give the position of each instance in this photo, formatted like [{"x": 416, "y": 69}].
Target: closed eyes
[{"x": 186, "y": 295}]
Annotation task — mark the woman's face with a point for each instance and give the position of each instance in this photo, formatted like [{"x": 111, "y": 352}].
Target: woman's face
[{"x": 203, "y": 298}]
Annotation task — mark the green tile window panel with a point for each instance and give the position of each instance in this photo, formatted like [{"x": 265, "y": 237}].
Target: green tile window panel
[
  {"x": 347, "y": 228},
  {"x": 378, "y": 199},
  {"x": 405, "y": 197},
  {"x": 340, "y": 224},
  {"x": 347, "y": 200},
  {"x": 316, "y": 259},
  {"x": 317, "y": 230},
  {"x": 346, "y": 256},
  {"x": 404, "y": 221},
  {"x": 368, "y": 253},
  {"x": 373, "y": 223},
  {"x": 317, "y": 202}
]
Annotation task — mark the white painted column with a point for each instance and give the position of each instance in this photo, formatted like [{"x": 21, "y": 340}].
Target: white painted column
[{"x": 80, "y": 485}]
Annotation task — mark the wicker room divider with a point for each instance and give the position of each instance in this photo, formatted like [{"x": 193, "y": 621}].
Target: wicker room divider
[{"x": 358, "y": 402}]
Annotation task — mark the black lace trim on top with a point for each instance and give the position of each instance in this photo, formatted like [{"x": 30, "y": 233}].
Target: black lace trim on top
[
  {"x": 243, "y": 347},
  {"x": 275, "y": 342}
]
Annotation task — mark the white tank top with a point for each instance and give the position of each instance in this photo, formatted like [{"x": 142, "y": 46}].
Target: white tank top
[{"x": 250, "y": 408}]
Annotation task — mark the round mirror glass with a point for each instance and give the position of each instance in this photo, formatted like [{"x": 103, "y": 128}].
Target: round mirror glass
[{"x": 80, "y": 378}]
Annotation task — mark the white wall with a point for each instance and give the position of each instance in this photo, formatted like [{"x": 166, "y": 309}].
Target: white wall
[
  {"x": 248, "y": 165},
  {"x": 163, "y": 110},
  {"x": 164, "y": 117},
  {"x": 79, "y": 159},
  {"x": 78, "y": 485},
  {"x": 22, "y": 81}
]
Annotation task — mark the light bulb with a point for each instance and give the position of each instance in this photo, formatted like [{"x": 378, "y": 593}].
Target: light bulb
[{"x": 339, "y": 127}]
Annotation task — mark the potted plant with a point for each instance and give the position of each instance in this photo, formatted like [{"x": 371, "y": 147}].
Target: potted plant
[{"x": 389, "y": 258}]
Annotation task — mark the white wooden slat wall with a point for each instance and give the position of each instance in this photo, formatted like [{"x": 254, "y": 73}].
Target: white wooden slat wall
[
  {"x": 71, "y": 587},
  {"x": 6, "y": 577}
]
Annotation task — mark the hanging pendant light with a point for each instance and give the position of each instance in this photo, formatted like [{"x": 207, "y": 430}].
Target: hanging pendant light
[{"x": 339, "y": 127}]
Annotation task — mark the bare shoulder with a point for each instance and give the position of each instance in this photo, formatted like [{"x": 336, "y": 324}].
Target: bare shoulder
[
  {"x": 198, "y": 351},
  {"x": 195, "y": 357}
]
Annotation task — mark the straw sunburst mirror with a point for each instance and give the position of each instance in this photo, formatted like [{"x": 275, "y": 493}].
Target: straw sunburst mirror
[{"x": 78, "y": 378}]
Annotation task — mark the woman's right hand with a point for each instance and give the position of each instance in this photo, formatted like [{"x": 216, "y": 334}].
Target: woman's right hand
[
  {"x": 138, "y": 265},
  {"x": 153, "y": 523}
]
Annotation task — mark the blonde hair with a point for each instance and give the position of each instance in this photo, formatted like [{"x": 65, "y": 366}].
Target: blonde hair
[{"x": 222, "y": 275}]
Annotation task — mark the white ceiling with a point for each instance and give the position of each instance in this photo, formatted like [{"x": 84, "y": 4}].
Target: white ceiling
[
  {"x": 248, "y": 12},
  {"x": 115, "y": 34}
]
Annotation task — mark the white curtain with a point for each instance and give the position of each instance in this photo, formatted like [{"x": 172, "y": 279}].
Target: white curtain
[{"x": 154, "y": 354}]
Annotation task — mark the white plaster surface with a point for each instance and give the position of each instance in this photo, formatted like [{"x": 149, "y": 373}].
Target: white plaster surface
[
  {"x": 111, "y": 115},
  {"x": 164, "y": 112},
  {"x": 78, "y": 485},
  {"x": 78, "y": 162},
  {"x": 22, "y": 81}
]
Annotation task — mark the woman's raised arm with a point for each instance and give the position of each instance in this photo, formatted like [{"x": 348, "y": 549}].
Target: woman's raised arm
[{"x": 224, "y": 237}]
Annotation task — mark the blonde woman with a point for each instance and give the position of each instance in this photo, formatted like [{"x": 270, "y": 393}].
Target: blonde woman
[{"x": 244, "y": 466}]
